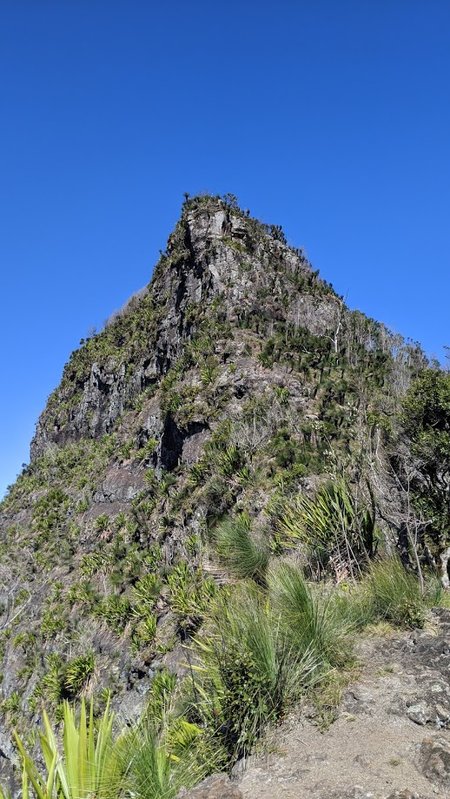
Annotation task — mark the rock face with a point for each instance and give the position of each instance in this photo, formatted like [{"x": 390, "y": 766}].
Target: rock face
[
  {"x": 236, "y": 375},
  {"x": 213, "y": 255},
  {"x": 375, "y": 748}
]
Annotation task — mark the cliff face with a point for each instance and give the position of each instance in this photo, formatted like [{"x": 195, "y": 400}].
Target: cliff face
[
  {"x": 238, "y": 377},
  {"x": 217, "y": 262}
]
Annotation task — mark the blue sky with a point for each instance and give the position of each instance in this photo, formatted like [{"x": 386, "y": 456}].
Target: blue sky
[{"x": 330, "y": 117}]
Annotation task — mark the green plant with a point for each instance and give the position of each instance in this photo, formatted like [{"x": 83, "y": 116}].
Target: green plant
[
  {"x": 425, "y": 420},
  {"x": 146, "y": 590},
  {"x": 190, "y": 591},
  {"x": 246, "y": 673},
  {"x": 115, "y": 610},
  {"x": 77, "y": 672},
  {"x": 160, "y": 696},
  {"x": 85, "y": 767},
  {"x": 393, "y": 594},
  {"x": 157, "y": 765},
  {"x": 12, "y": 703},
  {"x": 102, "y": 523},
  {"x": 53, "y": 680},
  {"x": 337, "y": 531},
  {"x": 312, "y": 620},
  {"x": 244, "y": 555}
]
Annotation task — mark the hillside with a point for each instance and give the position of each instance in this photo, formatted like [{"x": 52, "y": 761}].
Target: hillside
[{"x": 237, "y": 381}]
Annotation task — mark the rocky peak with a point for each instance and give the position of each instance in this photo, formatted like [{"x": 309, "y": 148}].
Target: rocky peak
[{"x": 219, "y": 264}]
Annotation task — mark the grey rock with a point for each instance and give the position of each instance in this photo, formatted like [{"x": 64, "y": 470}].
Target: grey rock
[
  {"x": 434, "y": 759},
  {"x": 419, "y": 713}
]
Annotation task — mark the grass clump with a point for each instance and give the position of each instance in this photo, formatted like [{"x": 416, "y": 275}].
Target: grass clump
[
  {"x": 241, "y": 553},
  {"x": 247, "y": 672},
  {"x": 391, "y": 593},
  {"x": 311, "y": 619}
]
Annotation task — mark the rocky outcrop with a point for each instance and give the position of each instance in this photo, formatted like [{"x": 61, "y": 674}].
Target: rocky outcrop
[{"x": 216, "y": 255}]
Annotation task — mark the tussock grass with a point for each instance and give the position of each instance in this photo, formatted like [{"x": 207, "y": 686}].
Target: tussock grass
[
  {"x": 262, "y": 647},
  {"x": 386, "y": 593},
  {"x": 312, "y": 620},
  {"x": 247, "y": 670},
  {"x": 241, "y": 553}
]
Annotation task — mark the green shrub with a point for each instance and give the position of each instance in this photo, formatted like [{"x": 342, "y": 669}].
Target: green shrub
[
  {"x": 77, "y": 673},
  {"x": 146, "y": 591},
  {"x": 115, "y": 610},
  {"x": 335, "y": 529},
  {"x": 393, "y": 594},
  {"x": 157, "y": 765},
  {"x": 189, "y": 591},
  {"x": 160, "y": 696}
]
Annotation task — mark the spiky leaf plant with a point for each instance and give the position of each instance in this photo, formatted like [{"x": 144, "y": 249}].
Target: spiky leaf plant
[
  {"x": 158, "y": 764},
  {"x": 84, "y": 767},
  {"x": 334, "y": 528}
]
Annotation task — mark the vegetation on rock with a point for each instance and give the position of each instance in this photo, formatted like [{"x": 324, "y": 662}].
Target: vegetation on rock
[{"x": 233, "y": 479}]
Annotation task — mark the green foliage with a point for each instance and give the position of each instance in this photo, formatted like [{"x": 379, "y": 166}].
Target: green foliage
[
  {"x": 102, "y": 523},
  {"x": 160, "y": 696},
  {"x": 67, "y": 680},
  {"x": 333, "y": 527},
  {"x": 390, "y": 593},
  {"x": 190, "y": 592},
  {"x": 50, "y": 511},
  {"x": 312, "y": 621},
  {"x": 243, "y": 555},
  {"x": 158, "y": 765},
  {"x": 52, "y": 684},
  {"x": 284, "y": 448},
  {"x": 246, "y": 673},
  {"x": 77, "y": 673},
  {"x": 146, "y": 591},
  {"x": 86, "y": 765},
  {"x": 11, "y": 704},
  {"x": 426, "y": 422},
  {"x": 116, "y": 611},
  {"x": 53, "y": 620}
]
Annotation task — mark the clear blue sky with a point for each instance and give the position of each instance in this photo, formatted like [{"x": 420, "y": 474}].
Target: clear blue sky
[{"x": 330, "y": 117}]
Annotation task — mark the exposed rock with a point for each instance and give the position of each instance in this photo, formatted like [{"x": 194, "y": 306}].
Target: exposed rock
[
  {"x": 375, "y": 748},
  {"x": 435, "y": 759}
]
